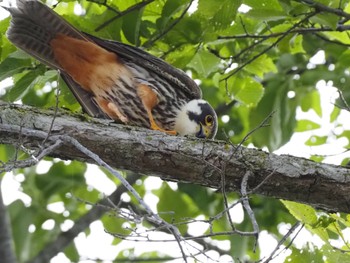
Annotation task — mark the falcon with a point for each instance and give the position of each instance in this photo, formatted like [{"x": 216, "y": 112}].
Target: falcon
[{"x": 112, "y": 79}]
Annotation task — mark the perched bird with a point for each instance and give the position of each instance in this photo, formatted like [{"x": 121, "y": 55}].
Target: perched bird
[{"x": 111, "y": 79}]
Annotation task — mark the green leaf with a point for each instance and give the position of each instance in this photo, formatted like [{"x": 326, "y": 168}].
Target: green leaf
[
  {"x": 305, "y": 255},
  {"x": 61, "y": 178},
  {"x": 296, "y": 44},
  {"x": 264, "y": 5},
  {"x": 203, "y": 198},
  {"x": 263, "y": 64},
  {"x": 291, "y": 44},
  {"x": 170, "y": 9},
  {"x": 316, "y": 140},
  {"x": 187, "y": 31},
  {"x": 72, "y": 253},
  {"x": 326, "y": 19},
  {"x": 266, "y": 15},
  {"x": 218, "y": 14},
  {"x": 306, "y": 125},
  {"x": 278, "y": 130},
  {"x": 21, "y": 86},
  {"x": 11, "y": 66},
  {"x": 21, "y": 218},
  {"x": 334, "y": 115},
  {"x": 182, "y": 56},
  {"x": 131, "y": 26},
  {"x": 335, "y": 255},
  {"x": 338, "y": 36},
  {"x": 177, "y": 210},
  {"x": 265, "y": 10},
  {"x": 345, "y": 134},
  {"x": 317, "y": 158},
  {"x": 204, "y": 63},
  {"x": 7, "y": 152},
  {"x": 247, "y": 91},
  {"x": 226, "y": 11},
  {"x": 344, "y": 58},
  {"x": 312, "y": 100},
  {"x": 301, "y": 212},
  {"x": 113, "y": 223}
]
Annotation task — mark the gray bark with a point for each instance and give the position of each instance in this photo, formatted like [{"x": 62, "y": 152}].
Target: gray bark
[{"x": 181, "y": 159}]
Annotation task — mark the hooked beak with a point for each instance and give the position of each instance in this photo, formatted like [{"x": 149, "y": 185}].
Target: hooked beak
[{"x": 203, "y": 131}]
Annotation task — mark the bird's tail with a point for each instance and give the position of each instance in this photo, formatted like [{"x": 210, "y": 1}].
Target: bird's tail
[{"x": 34, "y": 25}]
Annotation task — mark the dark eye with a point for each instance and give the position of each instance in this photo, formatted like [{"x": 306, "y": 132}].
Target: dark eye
[{"x": 209, "y": 120}]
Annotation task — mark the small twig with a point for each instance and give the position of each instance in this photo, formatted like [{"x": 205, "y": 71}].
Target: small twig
[
  {"x": 263, "y": 124},
  {"x": 245, "y": 201},
  {"x": 332, "y": 41},
  {"x": 248, "y": 209},
  {"x": 344, "y": 101},
  {"x": 223, "y": 191},
  {"x": 339, "y": 232},
  {"x": 301, "y": 30},
  {"x": 56, "y": 109},
  {"x": 171, "y": 26},
  {"x": 141, "y": 238},
  {"x": 104, "y": 3},
  {"x": 123, "y": 13},
  {"x": 262, "y": 182},
  {"x": 284, "y": 238},
  {"x": 33, "y": 160}
]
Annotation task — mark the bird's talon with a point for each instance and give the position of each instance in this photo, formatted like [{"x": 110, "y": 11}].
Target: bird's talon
[
  {"x": 124, "y": 119},
  {"x": 156, "y": 128}
]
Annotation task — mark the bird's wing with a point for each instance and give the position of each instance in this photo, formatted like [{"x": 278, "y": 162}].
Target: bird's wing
[
  {"x": 176, "y": 77},
  {"x": 84, "y": 98}
]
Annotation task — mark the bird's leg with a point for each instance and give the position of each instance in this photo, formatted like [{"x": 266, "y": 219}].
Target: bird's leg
[
  {"x": 150, "y": 100},
  {"x": 111, "y": 110}
]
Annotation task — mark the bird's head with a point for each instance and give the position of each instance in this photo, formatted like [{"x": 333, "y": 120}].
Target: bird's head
[{"x": 197, "y": 118}]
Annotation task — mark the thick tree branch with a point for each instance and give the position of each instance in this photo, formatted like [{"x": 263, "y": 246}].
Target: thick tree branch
[{"x": 183, "y": 159}]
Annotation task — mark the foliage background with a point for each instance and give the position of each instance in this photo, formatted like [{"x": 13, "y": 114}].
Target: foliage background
[{"x": 249, "y": 62}]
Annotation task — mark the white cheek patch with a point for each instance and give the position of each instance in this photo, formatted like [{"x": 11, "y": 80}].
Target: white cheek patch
[{"x": 183, "y": 124}]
